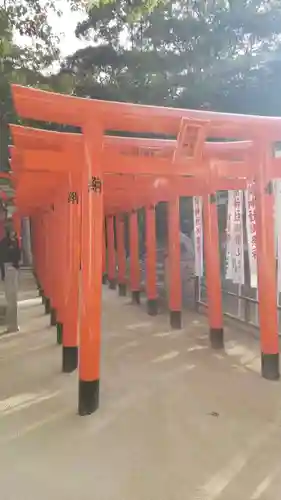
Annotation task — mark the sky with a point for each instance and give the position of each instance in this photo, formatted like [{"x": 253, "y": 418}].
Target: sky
[{"x": 64, "y": 27}]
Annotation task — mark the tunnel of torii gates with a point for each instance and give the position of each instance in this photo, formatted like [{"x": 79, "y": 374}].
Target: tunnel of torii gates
[{"x": 68, "y": 184}]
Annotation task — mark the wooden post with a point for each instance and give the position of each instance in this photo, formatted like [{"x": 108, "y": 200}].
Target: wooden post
[
  {"x": 134, "y": 257},
  {"x": 48, "y": 273},
  {"x": 267, "y": 283},
  {"x": 121, "y": 255},
  {"x": 91, "y": 263},
  {"x": 104, "y": 255},
  {"x": 70, "y": 325},
  {"x": 213, "y": 278},
  {"x": 151, "y": 283},
  {"x": 111, "y": 264},
  {"x": 174, "y": 255}
]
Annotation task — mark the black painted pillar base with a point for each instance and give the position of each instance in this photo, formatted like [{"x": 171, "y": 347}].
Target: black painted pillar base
[
  {"x": 43, "y": 300},
  {"x": 88, "y": 397},
  {"x": 53, "y": 320},
  {"x": 136, "y": 297},
  {"x": 122, "y": 289},
  {"x": 152, "y": 307},
  {"x": 69, "y": 359},
  {"x": 270, "y": 366},
  {"x": 112, "y": 284},
  {"x": 104, "y": 279},
  {"x": 216, "y": 338},
  {"x": 175, "y": 320},
  {"x": 47, "y": 305},
  {"x": 59, "y": 333}
]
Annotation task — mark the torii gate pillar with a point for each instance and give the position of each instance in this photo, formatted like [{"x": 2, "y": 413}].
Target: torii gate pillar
[
  {"x": 111, "y": 256},
  {"x": 213, "y": 279},
  {"x": 151, "y": 279},
  {"x": 134, "y": 257},
  {"x": 266, "y": 260},
  {"x": 91, "y": 263}
]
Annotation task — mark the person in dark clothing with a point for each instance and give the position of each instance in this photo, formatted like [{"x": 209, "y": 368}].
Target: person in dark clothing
[
  {"x": 3, "y": 233},
  {"x": 11, "y": 257},
  {"x": 3, "y": 244},
  {"x": 9, "y": 252},
  {"x": 2, "y": 270}
]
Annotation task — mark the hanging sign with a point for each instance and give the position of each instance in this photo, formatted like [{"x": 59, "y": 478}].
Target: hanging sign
[
  {"x": 234, "y": 244},
  {"x": 198, "y": 235},
  {"x": 228, "y": 264},
  {"x": 238, "y": 240},
  {"x": 251, "y": 234}
]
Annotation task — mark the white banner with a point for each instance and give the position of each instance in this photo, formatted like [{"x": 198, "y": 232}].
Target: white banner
[
  {"x": 229, "y": 238},
  {"x": 198, "y": 234},
  {"x": 238, "y": 239},
  {"x": 234, "y": 242},
  {"x": 228, "y": 265},
  {"x": 251, "y": 234}
]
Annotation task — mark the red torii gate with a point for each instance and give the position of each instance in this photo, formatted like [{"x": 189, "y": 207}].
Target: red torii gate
[
  {"x": 32, "y": 138},
  {"x": 191, "y": 129}
]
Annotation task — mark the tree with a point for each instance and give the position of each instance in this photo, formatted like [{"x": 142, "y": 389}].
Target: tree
[
  {"x": 220, "y": 55},
  {"x": 255, "y": 91},
  {"x": 136, "y": 8},
  {"x": 190, "y": 54},
  {"x": 27, "y": 64}
]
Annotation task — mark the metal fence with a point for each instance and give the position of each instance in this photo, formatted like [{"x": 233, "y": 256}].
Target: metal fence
[{"x": 239, "y": 302}]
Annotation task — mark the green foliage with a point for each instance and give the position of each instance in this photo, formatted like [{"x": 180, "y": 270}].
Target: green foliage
[
  {"x": 222, "y": 55},
  {"x": 196, "y": 54},
  {"x": 26, "y": 65},
  {"x": 135, "y": 8}
]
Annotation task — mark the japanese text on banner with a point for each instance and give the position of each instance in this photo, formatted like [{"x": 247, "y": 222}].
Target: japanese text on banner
[
  {"x": 228, "y": 265},
  {"x": 235, "y": 240},
  {"x": 198, "y": 235},
  {"x": 251, "y": 233}
]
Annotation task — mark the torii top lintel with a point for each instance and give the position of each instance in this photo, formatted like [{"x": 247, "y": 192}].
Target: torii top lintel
[
  {"x": 121, "y": 154},
  {"x": 27, "y": 138},
  {"x": 33, "y": 138},
  {"x": 47, "y": 106}
]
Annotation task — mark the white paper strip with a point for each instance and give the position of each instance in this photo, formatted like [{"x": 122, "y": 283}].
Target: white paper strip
[
  {"x": 251, "y": 234},
  {"x": 238, "y": 240},
  {"x": 198, "y": 234},
  {"x": 228, "y": 263},
  {"x": 235, "y": 246}
]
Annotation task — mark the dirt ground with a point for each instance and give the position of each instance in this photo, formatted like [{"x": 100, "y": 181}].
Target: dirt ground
[{"x": 177, "y": 421}]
